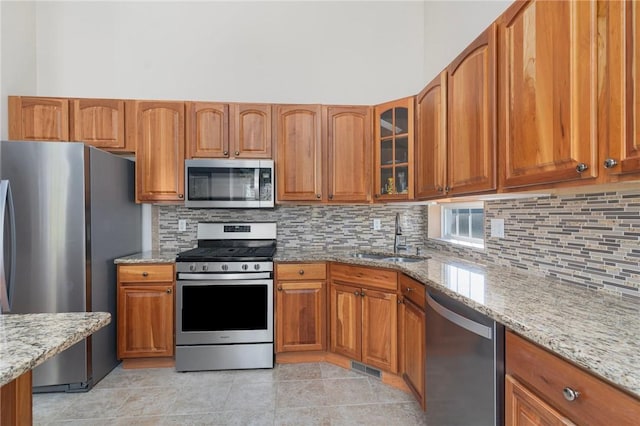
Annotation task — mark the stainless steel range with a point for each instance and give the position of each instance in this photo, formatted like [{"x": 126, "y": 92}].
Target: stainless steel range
[{"x": 224, "y": 300}]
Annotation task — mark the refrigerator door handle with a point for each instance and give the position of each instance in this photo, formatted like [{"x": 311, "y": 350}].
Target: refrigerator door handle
[{"x": 7, "y": 280}]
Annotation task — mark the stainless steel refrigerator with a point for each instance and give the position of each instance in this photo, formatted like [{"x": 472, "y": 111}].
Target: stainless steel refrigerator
[{"x": 74, "y": 213}]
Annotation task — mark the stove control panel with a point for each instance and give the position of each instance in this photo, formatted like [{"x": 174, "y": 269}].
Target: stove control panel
[{"x": 213, "y": 267}]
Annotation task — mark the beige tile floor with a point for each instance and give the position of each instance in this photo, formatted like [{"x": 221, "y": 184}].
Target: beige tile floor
[{"x": 289, "y": 394}]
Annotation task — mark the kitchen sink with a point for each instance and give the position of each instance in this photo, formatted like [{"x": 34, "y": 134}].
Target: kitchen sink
[
  {"x": 387, "y": 258},
  {"x": 370, "y": 256},
  {"x": 401, "y": 259}
]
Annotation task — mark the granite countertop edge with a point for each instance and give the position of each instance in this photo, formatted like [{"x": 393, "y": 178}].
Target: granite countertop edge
[
  {"x": 27, "y": 340},
  {"x": 546, "y": 314}
]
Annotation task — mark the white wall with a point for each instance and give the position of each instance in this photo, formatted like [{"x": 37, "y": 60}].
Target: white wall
[
  {"x": 358, "y": 52},
  {"x": 449, "y": 26},
  {"x": 18, "y": 48}
]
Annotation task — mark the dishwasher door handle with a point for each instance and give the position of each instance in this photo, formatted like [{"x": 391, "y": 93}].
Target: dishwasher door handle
[{"x": 470, "y": 325}]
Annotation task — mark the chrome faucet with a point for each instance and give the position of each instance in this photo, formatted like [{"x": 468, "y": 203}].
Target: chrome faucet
[{"x": 398, "y": 234}]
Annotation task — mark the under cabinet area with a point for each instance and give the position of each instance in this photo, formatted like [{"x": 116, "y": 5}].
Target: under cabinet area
[
  {"x": 146, "y": 312},
  {"x": 542, "y": 388},
  {"x": 301, "y": 307},
  {"x": 363, "y": 308}
]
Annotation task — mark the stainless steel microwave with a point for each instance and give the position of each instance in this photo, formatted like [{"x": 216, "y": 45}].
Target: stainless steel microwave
[{"x": 213, "y": 183}]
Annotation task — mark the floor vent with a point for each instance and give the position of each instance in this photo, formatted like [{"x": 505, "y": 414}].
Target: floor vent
[{"x": 366, "y": 369}]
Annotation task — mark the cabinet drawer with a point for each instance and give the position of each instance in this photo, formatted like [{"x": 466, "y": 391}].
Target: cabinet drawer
[
  {"x": 363, "y": 276},
  {"x": 412, "y": 290},
  {"x": 548, "y": 375},
  {"x": 301, "y": 271},
  {"x": 145, "y": 273}
]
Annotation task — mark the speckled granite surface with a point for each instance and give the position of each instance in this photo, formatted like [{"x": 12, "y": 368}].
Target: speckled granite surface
[
  {"x": 594, "y": 329},
  {"x": 149, "y": 257},
  {"x": 27, "y": 340}
]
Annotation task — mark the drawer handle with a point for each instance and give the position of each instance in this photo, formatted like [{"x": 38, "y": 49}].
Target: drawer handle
[
  {"x": 570, "y": 394},
  {"x": 169, "y": 291},
  {"x": 145, "y": 274},
  {"x": 408, "y": 289},
  {"x": 301, "y": 271}
]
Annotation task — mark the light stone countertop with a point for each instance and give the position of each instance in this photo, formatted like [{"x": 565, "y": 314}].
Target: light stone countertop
[
  {"x": 27, "y": 340},
  {"x": 149, "y": 257},
  {"x": 594, "y": 329}
]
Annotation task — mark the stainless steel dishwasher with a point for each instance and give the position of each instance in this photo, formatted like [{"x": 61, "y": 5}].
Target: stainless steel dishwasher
[{"x": 464, "y": 365}]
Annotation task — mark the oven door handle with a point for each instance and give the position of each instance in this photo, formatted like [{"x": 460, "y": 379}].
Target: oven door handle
[
  {"x": 224, "y": 277},
  {"x": 203, "y": 283}
]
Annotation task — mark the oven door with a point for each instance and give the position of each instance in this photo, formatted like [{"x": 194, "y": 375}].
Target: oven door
[{"x": 212, "y": 312}]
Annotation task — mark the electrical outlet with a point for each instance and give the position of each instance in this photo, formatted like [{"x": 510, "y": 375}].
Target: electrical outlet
[
  {"x": 182, "y": 225},
  {"x": 376, "y": 225},
  {"x": 497, "y": 228}
]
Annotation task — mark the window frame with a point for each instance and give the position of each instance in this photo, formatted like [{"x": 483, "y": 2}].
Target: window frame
[{"x": 466, "y": 240}]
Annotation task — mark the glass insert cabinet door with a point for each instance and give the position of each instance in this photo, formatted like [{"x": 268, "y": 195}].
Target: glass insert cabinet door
[{"x": 394, "y": 150}]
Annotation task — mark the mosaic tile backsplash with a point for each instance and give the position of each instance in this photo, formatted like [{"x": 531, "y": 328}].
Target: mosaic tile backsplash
[
  {"x": 323, "y": 226},
  {"x": 588, "y": 239}
]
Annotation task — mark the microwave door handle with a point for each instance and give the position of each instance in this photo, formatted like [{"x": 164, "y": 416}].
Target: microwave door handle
[
  {"x": 7, "y": 281},
  {"x": 256, "y": 183}
]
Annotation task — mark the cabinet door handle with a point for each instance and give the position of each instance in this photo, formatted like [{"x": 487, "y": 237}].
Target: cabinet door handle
[
  {"x": 581, "y": 167},
  {"x": 225, "y": 153},
  {"x": 237, "y": 152},
  {"x": 447, "y": 189},
  {"x": 439, "y": 189},
  {"x": 570, "y": 394},
  {"x": 301, "y": 271},
  {"x": 280, "y": 288},
  {"x": 400, "y": 301},
  {"x": 610, "y": 162},
  {"x": 377, "y": 195},
  {"x": 145, "y": 274},
  {"x": 362, "y": 294},
  {"x": 180, "y": 195},
  {"x": 331, "y": 196},
  {"x": 357, "y": 293},
  {"x": 169, "y": 291},
  {"x": 318, "y": 196}
]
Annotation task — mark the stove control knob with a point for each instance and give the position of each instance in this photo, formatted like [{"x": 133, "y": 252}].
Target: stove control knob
[
  {"x": 245, "y": 266},
  {"x": 192, "y": 267},
  {"x": 225, "y": 267},
  {"x": 205, "y": 267},
  {"x": 256, "y": 266}
]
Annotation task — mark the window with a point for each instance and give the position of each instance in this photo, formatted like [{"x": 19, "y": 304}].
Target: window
[{"x": 463, "y": 223}]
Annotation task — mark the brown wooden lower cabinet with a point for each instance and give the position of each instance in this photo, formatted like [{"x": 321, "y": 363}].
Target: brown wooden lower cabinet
[
  {"x": 544, "y": 389},
  {"x": 301, "y": 307},
  {"x": 146, "y": 311},
  {"x": 411, "y": 336},
  {"x": 16, "y": 401},
  {"x": 364, "y": 315}
]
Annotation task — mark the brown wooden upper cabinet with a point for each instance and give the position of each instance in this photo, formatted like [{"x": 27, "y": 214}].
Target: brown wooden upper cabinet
[
  {"x": 158, "y": 130},
  {"x": 348, "y": 143},
  {"x": 393, "y": 160},
  {"x": 218, "y": 130},
  {"x": 548, "y": 92},
  {"x": 619, "y": 114},
  {"x": 471, "y": 109},
  {"x": 38, "y": 119},
  {"x": 431, "y": 139},
  {"x": 101, "y": 123},
  {"x": 298, "y": 132}
]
